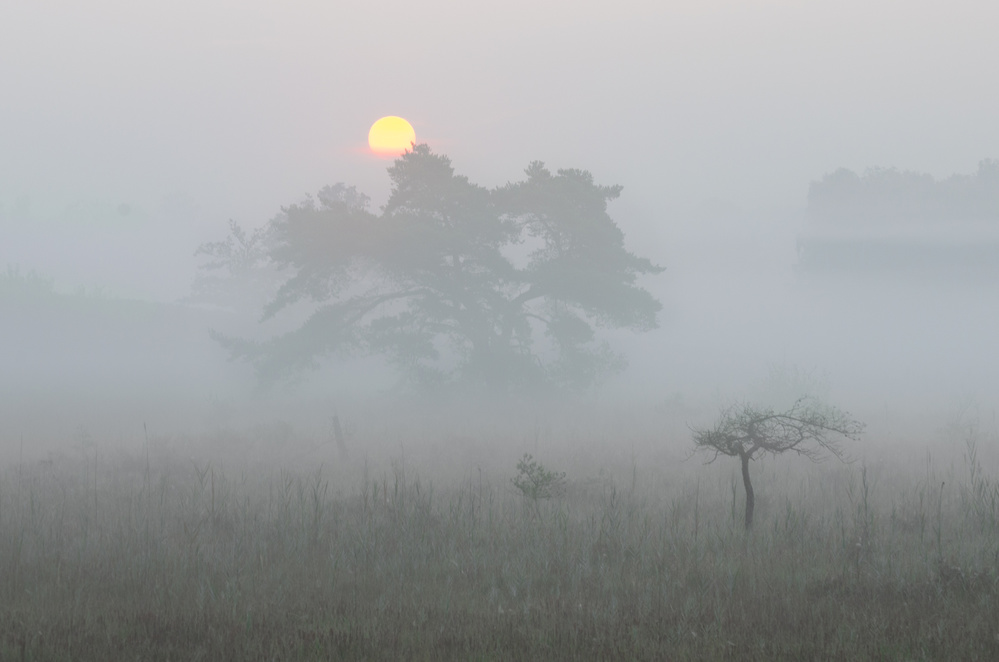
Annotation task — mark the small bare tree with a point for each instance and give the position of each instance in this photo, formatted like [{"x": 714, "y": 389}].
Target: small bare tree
[{"x": 808, "y": 428}]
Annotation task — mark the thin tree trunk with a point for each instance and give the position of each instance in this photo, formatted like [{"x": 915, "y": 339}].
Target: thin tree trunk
[
  {"x": 750, "y": 498},
  {"x": 341, "y": 441}
]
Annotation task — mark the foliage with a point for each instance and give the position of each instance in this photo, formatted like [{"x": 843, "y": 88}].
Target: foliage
[
  {"x": 32, "y": 284},
  {"x": 535, "y": 481},
  {"x": 809, "y": 428},
  {"x": 456, "y": 283},
  {"x": 747, "y": 430},
  {"x": 237, "y": 272},
  {"x": 888, "y": 193}
]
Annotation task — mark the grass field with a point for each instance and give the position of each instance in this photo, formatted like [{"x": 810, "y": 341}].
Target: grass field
[{"x": 221, "y": 547}]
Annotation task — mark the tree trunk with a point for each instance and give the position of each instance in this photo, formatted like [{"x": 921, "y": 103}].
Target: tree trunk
[{"x": 750, "y": 498}]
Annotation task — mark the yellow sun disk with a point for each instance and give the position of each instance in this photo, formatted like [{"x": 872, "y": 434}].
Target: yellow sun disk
[{"x": 391, "y": 136}]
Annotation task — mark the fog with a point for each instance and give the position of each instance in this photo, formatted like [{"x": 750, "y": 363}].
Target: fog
[
  {"x": 557, "y": 382},
  {"x": 130, "y": 134}
]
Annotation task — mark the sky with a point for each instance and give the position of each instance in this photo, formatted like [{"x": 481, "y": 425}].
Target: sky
[
  {"x": 130, "y": 132},
  {"x": 243, "y": 106}
]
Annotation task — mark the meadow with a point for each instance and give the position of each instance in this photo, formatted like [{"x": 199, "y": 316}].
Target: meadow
[{"x": 263, "y": 542}]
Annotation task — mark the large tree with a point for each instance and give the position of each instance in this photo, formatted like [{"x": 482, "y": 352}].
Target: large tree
[{"x": 453, "y": 282}]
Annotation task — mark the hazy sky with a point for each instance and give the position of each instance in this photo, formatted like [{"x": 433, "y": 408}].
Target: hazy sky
[
  {"x": 246, "y": 105},
  {"x": 132, "y": 131}
]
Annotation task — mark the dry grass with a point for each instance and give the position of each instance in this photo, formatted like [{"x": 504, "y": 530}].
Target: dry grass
[{"x": 105, "y": 557}]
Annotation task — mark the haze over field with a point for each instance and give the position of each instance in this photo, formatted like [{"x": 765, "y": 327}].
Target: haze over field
[
  {"x": 554, "y": 380},
  {"x": 131, "y": 133}
]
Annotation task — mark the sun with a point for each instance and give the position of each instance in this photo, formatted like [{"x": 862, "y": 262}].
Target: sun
[{"x": 391, "y": 136}]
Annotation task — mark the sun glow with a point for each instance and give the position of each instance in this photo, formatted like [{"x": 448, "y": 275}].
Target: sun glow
[{"x": 391, "y": 136}]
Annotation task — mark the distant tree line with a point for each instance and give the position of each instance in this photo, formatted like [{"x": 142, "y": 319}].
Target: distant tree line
[{"x": 889, "y": 194}]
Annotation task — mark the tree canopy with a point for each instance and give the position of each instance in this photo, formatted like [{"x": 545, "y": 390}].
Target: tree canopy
[
  {"x": 808, "y": 427},
  {"x": 456, "y": 283}
]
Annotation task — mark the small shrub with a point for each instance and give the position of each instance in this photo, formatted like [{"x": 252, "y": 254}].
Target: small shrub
[{"x": 535, "y": 481}]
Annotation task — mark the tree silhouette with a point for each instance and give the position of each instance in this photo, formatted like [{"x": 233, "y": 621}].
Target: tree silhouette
[
  {"x": 807, "y": 428},
  {"x": 456, "y": 283},
  {"x": 237, "y": 272},
  {"x": 890, "y": 194}
]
